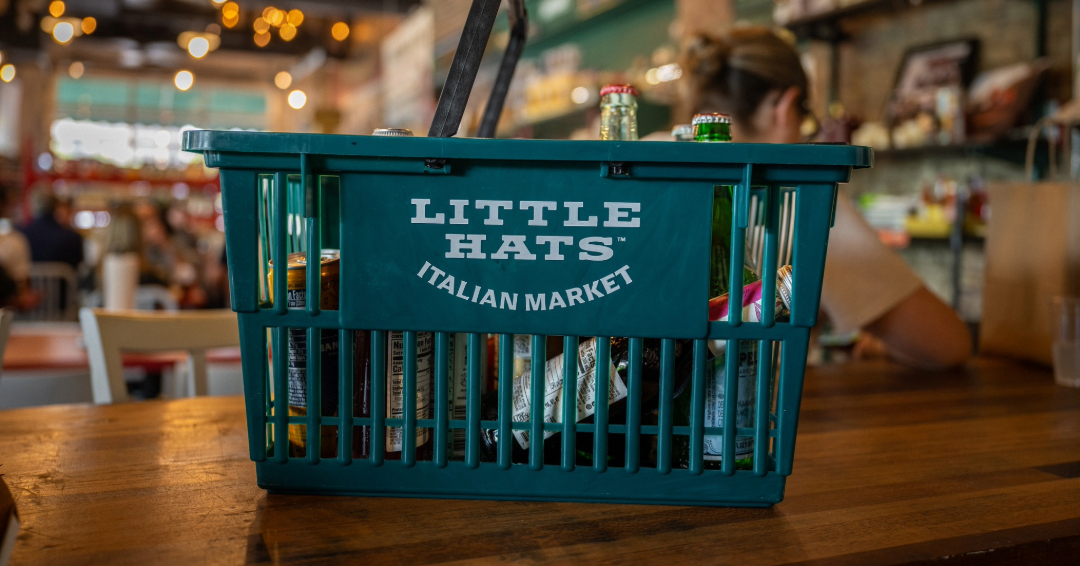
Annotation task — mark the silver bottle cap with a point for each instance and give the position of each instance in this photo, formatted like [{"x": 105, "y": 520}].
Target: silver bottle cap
[{"x": 393, "y": 132}]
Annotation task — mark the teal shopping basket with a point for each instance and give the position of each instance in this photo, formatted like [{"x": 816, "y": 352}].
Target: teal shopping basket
[{"x": 479, "y": 238}]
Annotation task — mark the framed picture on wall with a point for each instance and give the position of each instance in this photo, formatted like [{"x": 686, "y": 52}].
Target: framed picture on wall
[{"x": 926, "y": 107}]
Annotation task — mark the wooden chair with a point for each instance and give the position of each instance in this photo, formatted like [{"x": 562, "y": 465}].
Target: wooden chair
[
  {"x": 108, "y": 333},
  {"x": 59, "y": 288}
]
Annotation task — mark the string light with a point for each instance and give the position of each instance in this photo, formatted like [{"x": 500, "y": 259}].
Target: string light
[
  {"x": 288, "y": 32},
  {"x": 340, "y": 31},
  {"x": 277, "y": 17}
]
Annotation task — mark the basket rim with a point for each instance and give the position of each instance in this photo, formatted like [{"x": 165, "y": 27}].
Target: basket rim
[{"x": 336, "y": 145}]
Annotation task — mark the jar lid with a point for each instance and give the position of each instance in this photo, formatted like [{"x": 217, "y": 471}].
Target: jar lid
[
  {"x": 682, "y": 130},
  {"x": 711, "y": 118},
  {"x": 298, "y": 260},
  {"x": 618, "y": 89},
  {"x": 393, "y": 132}
]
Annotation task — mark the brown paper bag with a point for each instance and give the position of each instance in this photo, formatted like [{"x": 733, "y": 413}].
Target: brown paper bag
[{"x": 1032, "y": 254}]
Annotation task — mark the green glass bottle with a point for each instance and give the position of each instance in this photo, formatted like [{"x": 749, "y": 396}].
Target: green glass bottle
[{"x": 717, "y": 128}]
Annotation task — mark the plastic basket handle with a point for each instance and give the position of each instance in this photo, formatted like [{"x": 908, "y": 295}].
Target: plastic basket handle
[{"x": 470, "y": 50}]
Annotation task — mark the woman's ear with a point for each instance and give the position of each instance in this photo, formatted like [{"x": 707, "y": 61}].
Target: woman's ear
[{"x": 787, "y": 116}]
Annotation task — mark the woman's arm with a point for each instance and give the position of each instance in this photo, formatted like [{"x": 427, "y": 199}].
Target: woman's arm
[{"x": 921, "y": 331}]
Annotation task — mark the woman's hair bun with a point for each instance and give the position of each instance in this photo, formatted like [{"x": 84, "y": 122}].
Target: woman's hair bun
[{"x": 705, "y": 56}]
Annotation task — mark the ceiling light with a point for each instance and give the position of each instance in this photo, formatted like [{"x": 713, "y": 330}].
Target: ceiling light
[
  {"x": 297, "y": 99},
  {"x": 198, "y": 47},
  {"x": 340, "y": 31},
  {"x": 295, "y": 17},
  {"x": 262, "y": 39},
  {"x": 63, "y": 32},
  {"x": 282, "y": 80},
  {"x": 56, "y": 8},
  {"x": 76, "y": 70},
  {"x": 88, "y": 25},
  {"x": 288, "y": 32},
  {"x": 7, "y": 73},
  {"x": 184, "y": 80}
]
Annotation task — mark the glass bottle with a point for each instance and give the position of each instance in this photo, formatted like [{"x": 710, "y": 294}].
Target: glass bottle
[
  {"x": 298, "y": 351},
  {"x": 618, "y": 113},
  {"x": 715, "y": 127},
  {"x": 395, "y": 377}
]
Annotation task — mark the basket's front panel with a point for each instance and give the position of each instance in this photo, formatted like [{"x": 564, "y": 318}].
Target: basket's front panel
[
  {"x": 539, "y": 248},
  {"x": 669, "y": 398}
]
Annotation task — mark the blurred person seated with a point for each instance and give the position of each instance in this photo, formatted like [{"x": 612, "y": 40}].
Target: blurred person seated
[
  {"x": 172, "y": 259},
  {"x": 14, "y": 262},
  {"x": 49, "y": 234},
  {"x": 757, "y": 78}
]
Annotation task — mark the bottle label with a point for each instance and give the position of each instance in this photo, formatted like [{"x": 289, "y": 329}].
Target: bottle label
[
  {"x": 396, "y": 382},
  {"x": 522, "y": 354},
  {"x": 458, "y": 360},
  {"x": 297, "y": 361},
  {"x": 744, "y": 407},
  {"x": 553, "y": 373}
]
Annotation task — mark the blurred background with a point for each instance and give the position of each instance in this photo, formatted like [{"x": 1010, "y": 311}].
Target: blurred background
[{"x": 95, "y": 96}]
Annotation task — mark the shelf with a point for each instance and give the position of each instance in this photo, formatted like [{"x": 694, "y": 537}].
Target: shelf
[{"x": 826, "y": 26}]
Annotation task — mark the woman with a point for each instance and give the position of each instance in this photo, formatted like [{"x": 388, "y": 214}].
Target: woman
[{"x": 756, "y": 77}]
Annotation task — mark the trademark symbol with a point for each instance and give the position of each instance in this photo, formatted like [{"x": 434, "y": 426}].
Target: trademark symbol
[{"x": 622, "y": 239}]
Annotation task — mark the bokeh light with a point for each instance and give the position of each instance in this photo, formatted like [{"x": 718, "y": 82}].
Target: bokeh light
[
  {"x": 7, "y": 73},
  {"x": 63, "y": 32},
  {"x": 288, "y": 32},
  {"x": 283, "y": 80},
  {"x": 88, "y": 25},
  {"x": 56, "y": 8},
  {"x": 198, "y": 47},
  {"x": 184, "y": 80},
  {"x": 76, "y": 70},
  {"x": 262, "y": 39},
  {"x": 340, "y": 31},
  {"x": 297, "y": 99}
]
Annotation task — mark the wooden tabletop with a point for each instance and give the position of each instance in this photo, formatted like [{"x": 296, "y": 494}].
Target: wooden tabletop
[
  {"x": 59, "y": 346},
  {"x": 893, "y": 466}
]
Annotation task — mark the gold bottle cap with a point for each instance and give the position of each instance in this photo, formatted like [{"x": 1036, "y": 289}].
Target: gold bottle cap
[{"x": 784, "y": 285}]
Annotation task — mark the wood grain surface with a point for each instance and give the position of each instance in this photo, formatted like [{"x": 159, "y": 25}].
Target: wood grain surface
[{"x": 893, "y": 466}]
